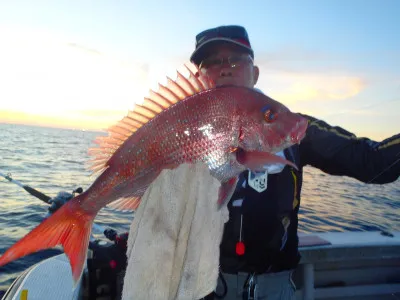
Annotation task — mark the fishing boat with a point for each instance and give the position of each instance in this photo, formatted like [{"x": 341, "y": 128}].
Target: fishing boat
[{"x": 334, "y": 265}]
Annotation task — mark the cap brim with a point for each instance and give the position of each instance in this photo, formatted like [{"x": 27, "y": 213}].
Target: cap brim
[{"x": 199, "y": 53}]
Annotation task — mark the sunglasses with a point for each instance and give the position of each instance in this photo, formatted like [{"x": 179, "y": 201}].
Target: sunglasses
[{"x": 233, "y": 61}]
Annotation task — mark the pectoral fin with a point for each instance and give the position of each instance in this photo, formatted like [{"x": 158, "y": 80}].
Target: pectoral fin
[{"x": 255, "y": 160}]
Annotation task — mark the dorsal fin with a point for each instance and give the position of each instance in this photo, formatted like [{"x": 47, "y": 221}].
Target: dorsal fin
[{"x": 152, "y": 105}]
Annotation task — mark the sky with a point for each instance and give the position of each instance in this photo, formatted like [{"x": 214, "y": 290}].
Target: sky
[{"x": 84, "y": 64}]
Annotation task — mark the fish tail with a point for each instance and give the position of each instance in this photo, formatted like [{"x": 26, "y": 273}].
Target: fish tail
[{"x": 70, "y": 226}]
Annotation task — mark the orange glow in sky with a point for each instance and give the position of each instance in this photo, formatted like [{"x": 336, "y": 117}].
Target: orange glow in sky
[{"x": 57, "y": 76}]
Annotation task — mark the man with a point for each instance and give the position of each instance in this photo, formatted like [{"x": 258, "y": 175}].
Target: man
[{"x": 259, "y": 248}]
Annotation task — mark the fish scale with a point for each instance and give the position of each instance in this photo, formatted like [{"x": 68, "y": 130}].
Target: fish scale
[{"x": 228, "y": 128}]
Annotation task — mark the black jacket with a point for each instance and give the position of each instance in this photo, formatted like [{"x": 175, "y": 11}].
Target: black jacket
[{"x": 268, "y": 221}]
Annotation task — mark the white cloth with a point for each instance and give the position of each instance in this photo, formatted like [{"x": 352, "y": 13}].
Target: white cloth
[{"x": 173, "y": 245}]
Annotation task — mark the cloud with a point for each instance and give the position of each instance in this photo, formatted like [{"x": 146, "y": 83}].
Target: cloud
[
  {"x": 74, "y": 120},
  {"x": 293, "y": 74},
  {"x": 83, "y": 48},
  {"x": 295, "y": 87},
  {"x": 297, "y": 81},
  {"x": 50, "y": 80},
  {"x": 100, "y": 113},
  {"x": 41, "y": 73},
  {"x": 290, "y": 54}
]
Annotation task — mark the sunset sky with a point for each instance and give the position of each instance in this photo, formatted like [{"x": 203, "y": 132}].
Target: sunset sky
[{"x": 83, "y": 64}]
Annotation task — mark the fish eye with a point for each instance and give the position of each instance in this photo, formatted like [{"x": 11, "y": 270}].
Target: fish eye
[{"x": 269, "y": 115}]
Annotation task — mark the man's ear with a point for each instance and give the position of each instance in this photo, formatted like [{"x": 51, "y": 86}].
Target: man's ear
[{"x": 256, "y": 73}]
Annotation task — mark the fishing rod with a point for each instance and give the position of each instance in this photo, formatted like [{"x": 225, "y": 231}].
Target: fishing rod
[
  {"x": 386, "y": 169},
  {"x": 27, "y": 188},
  {"x": 56, "y": 202}
]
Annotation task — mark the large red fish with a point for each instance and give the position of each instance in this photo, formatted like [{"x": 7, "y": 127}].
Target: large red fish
[{"x": 188, "y": 121}]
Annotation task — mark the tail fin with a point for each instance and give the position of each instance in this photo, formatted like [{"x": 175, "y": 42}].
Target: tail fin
[{"x": 69, "y": 226}]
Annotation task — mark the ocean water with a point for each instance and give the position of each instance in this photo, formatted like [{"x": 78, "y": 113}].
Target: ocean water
[{"x": 53, "y": 160}]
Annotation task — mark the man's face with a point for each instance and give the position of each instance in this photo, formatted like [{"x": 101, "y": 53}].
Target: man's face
[{"x": 236, "y": 67}]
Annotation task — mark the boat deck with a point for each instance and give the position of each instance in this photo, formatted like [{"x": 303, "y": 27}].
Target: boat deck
[{"x": 349, "y": 266}]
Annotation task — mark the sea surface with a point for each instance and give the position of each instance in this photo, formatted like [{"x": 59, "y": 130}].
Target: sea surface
[{"x": 53, "y": 160}]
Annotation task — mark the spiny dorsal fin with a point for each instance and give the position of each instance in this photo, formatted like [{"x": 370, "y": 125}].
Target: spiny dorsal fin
[{"x": 152, "y": 105}]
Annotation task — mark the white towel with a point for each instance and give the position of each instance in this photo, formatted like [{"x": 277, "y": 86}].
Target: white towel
[{"x": 173, "y": 245}]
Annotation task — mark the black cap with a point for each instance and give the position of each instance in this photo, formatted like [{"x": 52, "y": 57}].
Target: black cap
[{"x": 232, "y": 34}]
